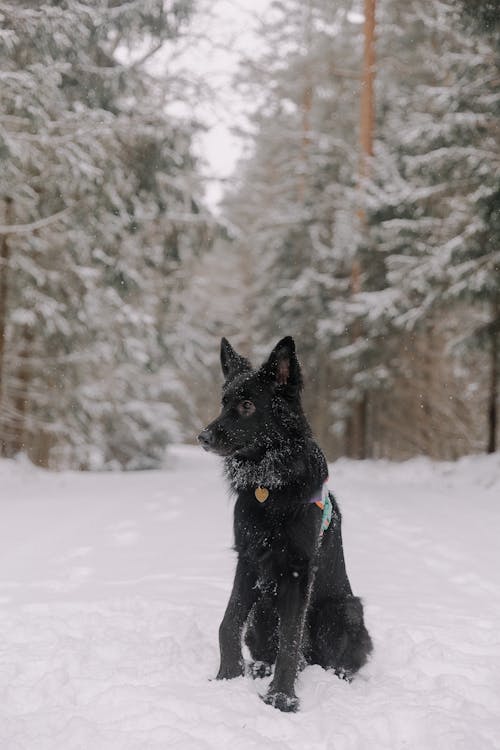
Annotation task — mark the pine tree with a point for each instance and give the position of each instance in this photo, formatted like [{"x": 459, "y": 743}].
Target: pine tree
[
  {"x": 482, "y": 243},
  {"x": 294, "y": 195},
  {"x": 437, "y": 170},
  {"x": 100, "y": 195},
  {"x": 428, "y": 259}
]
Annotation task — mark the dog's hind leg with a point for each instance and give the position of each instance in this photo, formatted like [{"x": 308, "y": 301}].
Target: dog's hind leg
[
  {"x": 339, "y": 639},
  {"x": 261, "y": 637}
]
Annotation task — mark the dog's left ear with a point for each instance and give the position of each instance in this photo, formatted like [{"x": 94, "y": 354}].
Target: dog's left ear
[{"x": 283, "y": 366}]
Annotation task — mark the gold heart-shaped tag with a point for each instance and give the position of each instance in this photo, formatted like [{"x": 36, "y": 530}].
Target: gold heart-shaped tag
[{"x": 261, "y": 493}]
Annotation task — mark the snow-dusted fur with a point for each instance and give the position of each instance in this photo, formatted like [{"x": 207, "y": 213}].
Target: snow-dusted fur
[
  {"x": 291, "y": 594},
  {"x": 277, "y": 467}
]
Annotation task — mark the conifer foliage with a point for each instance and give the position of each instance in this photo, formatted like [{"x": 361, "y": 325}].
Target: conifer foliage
[
  {"x": 99, "y": 207},
  {"x": 412, "y": 336},
  {"x": 292, "y": 200},
  {"x": 434, "y": 205},
  {"x": 382, "y": 260}
]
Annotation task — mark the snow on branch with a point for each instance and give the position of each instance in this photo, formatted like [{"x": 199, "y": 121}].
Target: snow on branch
[{"x": 32, "y": 226}]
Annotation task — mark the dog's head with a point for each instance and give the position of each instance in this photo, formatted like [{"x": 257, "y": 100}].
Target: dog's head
[{"x": 260, "y": 408}]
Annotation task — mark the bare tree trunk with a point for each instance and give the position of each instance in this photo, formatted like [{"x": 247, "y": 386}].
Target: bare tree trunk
[
  {"x": 4, "y": 288},
  {"x": 318, "y": 402},
  {"x": 356, "y": 432},
  {"x": 40, "y": 447},
  {"x": 356, "y": 425},
  {"x": 429, "y": 396},
  {"x": 13, "y": 403},
  {"x": 247, "y": 343},
  {"x": 367, "y": 105},
  {"x": 494, "y": 375},
  {"x": 356, "y": 443},
  {"x": 306, "y": 106},
  {"x": 18, "y": 434}
]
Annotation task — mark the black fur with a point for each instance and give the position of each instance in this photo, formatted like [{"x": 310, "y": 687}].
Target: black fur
[{"x": 291, "y": 597}]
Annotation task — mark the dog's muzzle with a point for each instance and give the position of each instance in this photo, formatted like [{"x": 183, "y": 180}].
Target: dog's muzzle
[{"x": 206, "y": 440}]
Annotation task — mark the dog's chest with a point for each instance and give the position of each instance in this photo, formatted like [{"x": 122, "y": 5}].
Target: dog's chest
[{"x": 271, "y": 540}]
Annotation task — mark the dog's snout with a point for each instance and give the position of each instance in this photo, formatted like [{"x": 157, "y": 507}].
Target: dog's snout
[{"x": 206, "y": 438}]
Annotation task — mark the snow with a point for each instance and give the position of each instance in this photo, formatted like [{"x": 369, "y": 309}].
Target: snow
[{"x": 112, "y": 587}]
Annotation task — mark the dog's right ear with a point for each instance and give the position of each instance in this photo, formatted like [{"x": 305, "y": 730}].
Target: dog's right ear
[
  {"x": 232, "y": 363},
  {"x": 283, "y": 368}
]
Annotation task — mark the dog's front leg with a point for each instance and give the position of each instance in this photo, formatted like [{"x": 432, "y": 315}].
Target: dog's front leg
[
  {"x": 240, "y": 603},
  {"x": 293, "y": 592}
]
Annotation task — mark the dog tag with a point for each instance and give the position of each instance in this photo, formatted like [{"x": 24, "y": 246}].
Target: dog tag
[{"x": 261, "y": 493}]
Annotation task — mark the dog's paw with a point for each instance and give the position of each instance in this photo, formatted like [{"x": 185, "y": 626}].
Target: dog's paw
[
  {"x": 282, "y": 701},
  {"x": 259, "y": 669},
  {"x": 344, "y": 674},
  {"x": 230, "y": 672}
]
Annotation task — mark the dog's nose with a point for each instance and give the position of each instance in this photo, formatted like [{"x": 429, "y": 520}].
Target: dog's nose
[{"x": 205, "y": 438}]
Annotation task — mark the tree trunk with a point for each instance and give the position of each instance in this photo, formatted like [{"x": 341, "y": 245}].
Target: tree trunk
[
  {"x": 356, "y": 437},
  {"x": 367, "y": 107},
  {"x": 306, "y": 106},
  {"x": 428, "y": 396},
  {"x": 4, "y": 288},
  {"x": 494, "y": 373},
  {"x": 39, "y": 448},
  {"x": 321, "y": 403},
  {"x": 17, "y": 428},
  {"x": 356, "y": 425},
  {"x": 356, "y": 429}
]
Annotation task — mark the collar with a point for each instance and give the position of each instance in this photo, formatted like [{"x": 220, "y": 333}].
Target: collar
[{"x": 321, "y": 498}]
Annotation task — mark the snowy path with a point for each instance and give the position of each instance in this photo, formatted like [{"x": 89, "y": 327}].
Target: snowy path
[{"x": 112, "y": 588}]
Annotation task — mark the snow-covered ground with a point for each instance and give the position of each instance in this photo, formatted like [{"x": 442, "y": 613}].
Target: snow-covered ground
[{"x": 112, "y": 588}]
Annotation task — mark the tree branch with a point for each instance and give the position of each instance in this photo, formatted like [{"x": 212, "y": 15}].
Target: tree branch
[{"x": 39, "y": 224}]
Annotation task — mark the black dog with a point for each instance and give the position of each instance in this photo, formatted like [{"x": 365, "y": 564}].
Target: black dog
[{"x": 291, "y": 589}]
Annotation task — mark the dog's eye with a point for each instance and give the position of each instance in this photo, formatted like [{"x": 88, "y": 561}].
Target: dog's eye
[{"x": 245, "y": 408}]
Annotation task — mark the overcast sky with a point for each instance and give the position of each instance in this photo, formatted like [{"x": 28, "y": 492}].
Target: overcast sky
[{"x": 228, "y": 29}]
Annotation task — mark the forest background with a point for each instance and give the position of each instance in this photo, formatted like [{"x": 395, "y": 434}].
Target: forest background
[{"x": 363, "y": 218}]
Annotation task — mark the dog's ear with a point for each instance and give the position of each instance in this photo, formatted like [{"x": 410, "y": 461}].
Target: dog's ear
[
  {"x": 283, "y": 367},
  {"x": 232, "y": 363}
]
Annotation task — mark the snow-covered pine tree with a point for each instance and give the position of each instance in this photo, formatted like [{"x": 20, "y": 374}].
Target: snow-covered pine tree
[
  {"x": 481, "y": 245},
  {"x": 99, "y": 193},
  {"x": 292, "y": 202},
  {"x": 437, "y": 172}
]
